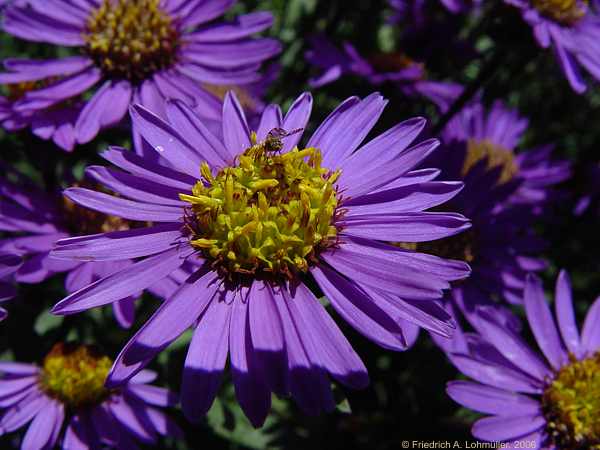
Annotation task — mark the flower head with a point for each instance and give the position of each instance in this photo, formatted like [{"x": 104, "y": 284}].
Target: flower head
[
  {"x": 68, "y": 389},
  {"x": 552, "y": 400},
  {"x": 571, "y": 28},
  {"x": 408, "y": 75},
  {"x": 505, "y": 193},
  {"x": 141, "y": 51},
  {"x": 260, "y": 217}
]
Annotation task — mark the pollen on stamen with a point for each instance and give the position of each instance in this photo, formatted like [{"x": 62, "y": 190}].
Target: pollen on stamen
[
  {"x": 75, "y": 375},
  {"x": 131, "y": 39},
  {"x": 567, "y": 12},
  {"x": 267, "y": 216},
  {"x": 571, "y": 405}
]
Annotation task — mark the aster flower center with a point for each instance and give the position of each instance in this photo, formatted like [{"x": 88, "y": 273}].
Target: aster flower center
[
  {"x": 496, "y": 156},
  {"x": 460, "y": 246},
  {"x": 567, "y": 12},
  {"x": 75, "y": 375},
  {"x": 267, "y": 216},
  {"x": 131, "y": 39},
  {"x": 571, "y": 404}
]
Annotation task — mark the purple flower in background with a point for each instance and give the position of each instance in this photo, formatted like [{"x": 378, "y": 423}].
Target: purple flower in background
[
  {"x": 140, "y": 51},
  {"x": 397, "y": 68},
  {"x": 32, "y": 221},
  {"x": 495, "y": 134},
  {"x": 551, "y": 400},
  {"x": 260, "y": 216},
  {"x": 503, "y": 195},
  {"x": 572, "y": 29},
  {"x": 68, "y": 390},
  {"x": 9, "y": 264}
]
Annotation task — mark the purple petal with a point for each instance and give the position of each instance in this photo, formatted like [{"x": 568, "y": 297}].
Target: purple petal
[
  {"x": 542, "y": 324},
  {"x": 590, "y": 336},
  {"x": 153, "y": 395},
  {"x": 243, "y": 26},
  {"x": 236, "y": 133},
  {"x": 268, "y": 341},
  {"x": 192, "y": 128},
  {"x": 205, "y": 361},
  {"x": 405, "y": 227},
  {"x": 143, "y": 168},
  {"x": 382, "y": 150},
  {"x": 490, "y": 400},
  {"x": 39, "y": 433},
  {"x": 358, "y": 310},
  {"x": 565, "y": 314},
  {"x": 251, "y": 391},
  {"x": 33, "y": 26},
  {"x": 505, "y": 428},
  {"x": 17, "y": 416},
  {"x": 308, "y": 383},
  {"x": 344, "y": 130},
  {"x": 120, "y": 245},
  {"x": 324, "y": 342},
  {"x": 297, "y": 118},
  {"x": 513, "y": 348},
  {"x": 124, "y": 283},
  {"x": 129, "y": 418},
  {"x": 66, "y": 88},
  {"x": 166, "y": 140},
  {"x": 127, "y": 209},
  {"x": 172, "y": 318},
  {"x": 35, "y": 69},
  {"x": 134, "y": 187},
  {"x": 497, "y": 375},
  {"x": 106, "y": 108}
]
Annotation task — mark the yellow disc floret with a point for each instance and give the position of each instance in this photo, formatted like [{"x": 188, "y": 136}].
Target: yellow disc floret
[
  {"x": 75, "y": 375},
  {"x": 266, "y": 216},
  {"x": 567, "y": 12},
  {"x": 495, "y": 155},
  {"x": 131, "y": 39},
  {"x": 571, "y": 405}
]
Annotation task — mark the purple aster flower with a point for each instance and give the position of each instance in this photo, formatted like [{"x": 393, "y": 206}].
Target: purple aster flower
[
  {"x": 139, "y": 51},
  {"x": 503, "y": 194},
  {"x": 68, "y": 391},
  {"x": 409, "y": 76},
  {"x": 32, "y": 221},
  {"x": 261, "y": 216},
  {"x": 551, "y": 400},
  {"x": 495, "y": 134},
  {"x": 572, "y": 29},
  {"x": 9, "y": 264}
]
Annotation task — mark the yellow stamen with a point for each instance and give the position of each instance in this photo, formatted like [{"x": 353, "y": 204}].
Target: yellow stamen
[
  {"x": 567, "y": 12},
  {"x": 131, "y": 39},
  {"x": 268, "y": 215},
  {"x": 75, "y": 375},
  {"x": 571, "y": 405}
]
